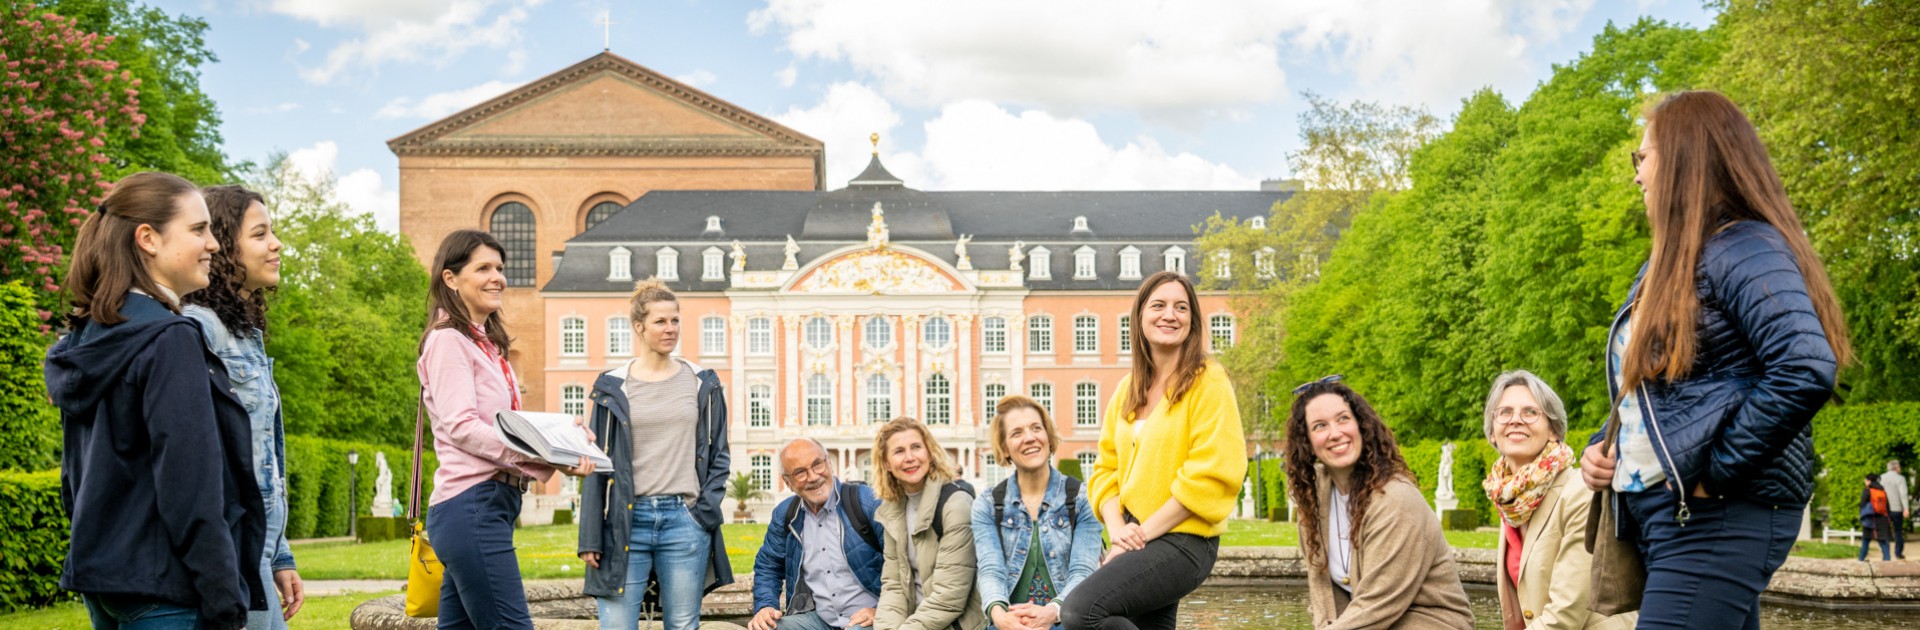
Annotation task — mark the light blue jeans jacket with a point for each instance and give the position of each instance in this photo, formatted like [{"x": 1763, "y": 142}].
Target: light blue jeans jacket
[
  {"x": 250, "y": 371},
  {"x": 1073, "y": 549}
]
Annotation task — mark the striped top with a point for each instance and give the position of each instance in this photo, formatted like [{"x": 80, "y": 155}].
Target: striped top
[{"x": 664, "y": 417}]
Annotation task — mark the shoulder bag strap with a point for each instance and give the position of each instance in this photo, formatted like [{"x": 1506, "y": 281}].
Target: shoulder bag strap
[{"x": 419, "y": 438}]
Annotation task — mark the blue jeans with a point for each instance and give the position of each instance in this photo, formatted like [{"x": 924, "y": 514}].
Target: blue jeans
[
  {"x": 270, "y": 619},
  {"x": 808, "y": 621},
  {"x": 473, "y": 535},
  {"x": 668, "y": 543},
  {"x": 123, "y": 612},
  {"x": 1708, "y": 573}
]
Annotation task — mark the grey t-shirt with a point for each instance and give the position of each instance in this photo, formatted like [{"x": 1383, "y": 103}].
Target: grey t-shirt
[{"x": 664, "y": 416}]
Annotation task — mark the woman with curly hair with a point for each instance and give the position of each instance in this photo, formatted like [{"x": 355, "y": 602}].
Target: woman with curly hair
[
  {"x": 1375, "y": 555},
  {"x": 232, "y": 312}
]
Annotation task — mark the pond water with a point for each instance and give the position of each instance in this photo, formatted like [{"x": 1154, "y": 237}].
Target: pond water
[{"x": 1250, "y": 608}]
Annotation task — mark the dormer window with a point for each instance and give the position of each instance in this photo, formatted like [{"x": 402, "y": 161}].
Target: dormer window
[
  {"x": 1042, "y": 261},
  {"x": 1223, "y": 264},
  {"x": 1263, "y": 262},
  {"x": 1080, "y": 224},
  {"x": 713, "y": 223},
  {"x": 666, "y": 264},
  {"x": 1130, "y": 263},
  {"x": 1083, "y": 263},
  {"x": 620, "y": 265},
  {"x": 1258, "y": 223},
  {"x": 1176, "y": 260},
  {"x": 713, "y": 264}
]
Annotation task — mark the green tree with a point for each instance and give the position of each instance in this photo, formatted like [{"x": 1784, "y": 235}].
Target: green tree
[
  {"x": 1834, "y": 88},
  {"x": 29, "y": 425},
  {"x": 742, "y": 488},
  {"x": 344, "y": 326}
]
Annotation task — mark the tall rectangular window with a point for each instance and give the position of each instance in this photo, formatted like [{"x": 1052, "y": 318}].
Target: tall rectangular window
[
  {"x": 763, "y": 471},
  {"x": 713, "y": 335},
  {"x": 819, "y": 400},
  {"x": 760, "y": 406},
  {"x": 1086, "y": 334},
  {"x": 990, "y": 398},
  {"x": 819, "y": 333},
  {"x": 993, "y": 335},
  {"x": 939, "y": 400},
  {"x": 1040, "y": 334},
  {"x": 1126, "y": 335},
  {"x": 760, "y": 336},
  {"x": 1043, "y": 394},
  {"x": 573, "y": 400},
  {"x": 879, "y": 399},
  {"x": 573, "y": 337},
  {"x": 1221, "y": 328},
  {"x": 1086, "y": 404},
  {"x": 619, "y": 336}
]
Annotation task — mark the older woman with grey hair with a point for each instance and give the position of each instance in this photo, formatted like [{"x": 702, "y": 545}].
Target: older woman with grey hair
[{"x": 1545, "y": 569}]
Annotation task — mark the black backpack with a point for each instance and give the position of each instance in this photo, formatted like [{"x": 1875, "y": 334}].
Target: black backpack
[
  {"x": 856, "y": 517},
  {"x": 940, "y": 509},
  {"x": 1073, "y": 506}
]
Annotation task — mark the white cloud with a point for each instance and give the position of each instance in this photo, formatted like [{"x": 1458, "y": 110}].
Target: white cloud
[
  {"x": 1186, "y": 59},
  {"x": 788, "y": 75},
  {"x": 279, "y": 108},
  {"x": 698, "y": 78},
  {"x": 844, "y": 118},
  {"x": 435, "y": 106},
  {"x": 362, "y": 191},
  {"x": 406, "y": 30},
  {"x": 976, "y": 145}
]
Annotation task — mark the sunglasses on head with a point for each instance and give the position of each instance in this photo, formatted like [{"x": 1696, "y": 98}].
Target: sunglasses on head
[{"x": 1330, "y": 378}]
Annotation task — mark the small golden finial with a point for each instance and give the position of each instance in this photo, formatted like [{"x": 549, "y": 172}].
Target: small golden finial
[{"x": 875, "y": 138}]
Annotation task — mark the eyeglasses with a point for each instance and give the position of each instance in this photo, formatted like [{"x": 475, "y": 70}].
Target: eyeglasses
[
  {"x": 817, "y": 469},
  {"x": 1640, "y": 156},
  {"x": 1527, "y": 415},
  {"x": 1330, "y": 378}
]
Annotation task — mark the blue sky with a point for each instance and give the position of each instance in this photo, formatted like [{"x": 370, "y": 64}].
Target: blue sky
[{"x": 973, "y": 95}]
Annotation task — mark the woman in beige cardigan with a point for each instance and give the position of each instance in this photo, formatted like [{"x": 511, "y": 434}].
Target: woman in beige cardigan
[
  {"x": 1545, "y": 570},
  {"x": 1375, "y": 557},
  {"x": 927, "y": 581}
]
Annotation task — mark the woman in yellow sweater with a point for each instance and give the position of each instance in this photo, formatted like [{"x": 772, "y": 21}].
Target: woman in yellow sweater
[{"x": 1172, "y": 458}]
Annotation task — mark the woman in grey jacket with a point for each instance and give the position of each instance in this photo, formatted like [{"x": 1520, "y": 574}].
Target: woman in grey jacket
[{"x": 670, "y": 483}]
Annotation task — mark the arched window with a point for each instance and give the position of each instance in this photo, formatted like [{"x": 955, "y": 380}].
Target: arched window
[
  {"x": 939, "y": 400},
  {"x": 512, "y": 225},
  {"x": 937, "y": 332},
  {"x": 573, "y": 400},
  {"x": 600, "y": 212},
  {"x": 879, "y": 332},
  {"x": 819, "y": 400},
  {"x": 879, "y": 399},
  {"x": 819, "y": 333}
]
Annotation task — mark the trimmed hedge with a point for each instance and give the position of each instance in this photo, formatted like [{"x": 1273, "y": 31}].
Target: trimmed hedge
[
  {"x": 33, "y": 540},
  {"x": 1272, "y": 480},
  {"x": 379, "y": 528},
  {"x": 318, "y": 484},
  {"x": 1853, "y": 440}
]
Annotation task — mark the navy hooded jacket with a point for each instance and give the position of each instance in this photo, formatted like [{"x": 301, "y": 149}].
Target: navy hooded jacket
[{"x": 157, "y": 473}]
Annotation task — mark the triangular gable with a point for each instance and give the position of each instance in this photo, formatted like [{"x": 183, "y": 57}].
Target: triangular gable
[{"x": 606, "y": 105}]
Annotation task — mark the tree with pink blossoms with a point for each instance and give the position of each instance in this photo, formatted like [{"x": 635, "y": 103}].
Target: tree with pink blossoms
[{"x": 61, "y": 100}]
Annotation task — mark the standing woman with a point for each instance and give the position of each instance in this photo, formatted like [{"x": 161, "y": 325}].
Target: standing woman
[
  {"x": 232, "y": 312},
  {"x": 1172, "y": 458},
  {"x": 927, "y": 579},
  {"x": 656, "y": 516},
  {"x": 156, "y": 472},
  {"x": 1375, "y": 554},
  {"x": 464, "y": 381},
  {"x": 1035, "y": 535},
  {"x": 1545, "y": 569},
  {"x": 1726, "y": 346},
  {"x": 1874, "y": 521}
]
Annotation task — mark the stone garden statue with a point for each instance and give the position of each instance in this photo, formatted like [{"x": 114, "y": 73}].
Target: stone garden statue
[
  {"x": 960, "y": 252},
  {"x": 1443, "y": 498},
  {"x": 1015, "y": 255},
  {"x": 793, "y": 253},
  {"x": 382, "y": 486}
]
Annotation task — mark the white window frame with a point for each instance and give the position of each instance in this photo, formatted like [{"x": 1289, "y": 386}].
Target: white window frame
[
  {"x": 1263, "y": 263},
  {"x": 713, "y": 223},
  {"x": 1042, "y": 392},
  {"x": 1215, "y": 331},
  {"x": 877, "y": 328},
  {"x": 940, "y": 339},
  {"x": 815, "y": 325},
  {"x": 1086, "y": 404},
  {"x": 1257, "y": 223},
  {"x": 763, "y": 471},
  {"x": 1126, "y": 335},
  {"x": 1040, "y": 334},
  {"x": 1083, "y": 264},
  {"x": 937, "y": 405},
  {"x": 1041, "y": 267},
  {"x": 573, "y": 400},
  {"x": 759, "y": 336},
  {"x": 619, "y": 336},
  {"x": 993, "y": 335},
  {"x": 1176, "y": 259},
  {"x": 759, "y": 405},
  {"x": 1087, "y": 460},
  {"x": 573, "y": 336},
  {"x": 713, "y": 264},
  {"x": 877, "y": 392},
  {"x": 819, "y": 401},
  {"x": 1130, "y": 263},
  {"x": 1080, "y": 224},
  {"x": 666, "y": 264},
  {"x": 619, "y": 265},
  {"x": 1086, "y": 334},
  {"x": 990, "y": 400},
  {"x": 1223, "y": 264},
  {"x": 713, "y": 335}
]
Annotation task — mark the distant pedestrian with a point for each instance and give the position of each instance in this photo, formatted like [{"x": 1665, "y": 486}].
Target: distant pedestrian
[
  {"x": 1897, "y": 510},
  {"x": 1874, "y": 524}
]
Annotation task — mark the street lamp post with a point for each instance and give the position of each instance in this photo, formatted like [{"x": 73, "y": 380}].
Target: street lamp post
[{"x": 353, "y": 492}]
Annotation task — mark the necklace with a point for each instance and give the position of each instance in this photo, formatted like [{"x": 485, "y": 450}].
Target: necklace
[{"x": 1343, "y": 536}]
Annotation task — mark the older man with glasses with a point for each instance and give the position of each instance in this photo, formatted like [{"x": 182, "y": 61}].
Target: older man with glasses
[{"x": 822, "y": 550}]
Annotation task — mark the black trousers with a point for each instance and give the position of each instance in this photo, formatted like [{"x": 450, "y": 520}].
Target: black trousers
[{"x": 1141, "y": 589}]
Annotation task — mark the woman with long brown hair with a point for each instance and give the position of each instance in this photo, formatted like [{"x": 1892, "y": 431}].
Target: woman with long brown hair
[
  {"x": 1726, "y": 346},
  {"x": 464, "y": 381},
  {"x": 1172, "y": 458},
  {"x": 1375, "y": 555}
]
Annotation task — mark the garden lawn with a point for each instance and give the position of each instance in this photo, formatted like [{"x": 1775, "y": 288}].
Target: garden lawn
[
  {"x": 319, "y": 613},
  {"x": 545, "y": 552},
  {"x": 1270, "y": 534}
]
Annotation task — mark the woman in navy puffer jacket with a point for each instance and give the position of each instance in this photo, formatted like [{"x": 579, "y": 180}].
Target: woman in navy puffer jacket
[{"x": 1726, "y": 346}]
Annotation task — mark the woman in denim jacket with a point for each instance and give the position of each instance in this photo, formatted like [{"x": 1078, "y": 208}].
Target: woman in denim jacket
[
  {"x": 232, "y": 312},
  {"x": 1025, "y": 570}
]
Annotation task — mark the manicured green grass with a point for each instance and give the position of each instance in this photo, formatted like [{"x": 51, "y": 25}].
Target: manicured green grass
[
  {"x": 1811, "y": 549},
  {"x": 545, "y": 552},
  {"x": 319, "y": 613},
  {"x": 1270, "y": 534}
]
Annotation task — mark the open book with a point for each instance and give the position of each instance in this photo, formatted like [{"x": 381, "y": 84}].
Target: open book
[{"x": 549, "y": 437}]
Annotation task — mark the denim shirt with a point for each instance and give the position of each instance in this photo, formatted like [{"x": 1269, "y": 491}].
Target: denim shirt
[
  {"x": 250, "y": 371},
  {"x": 1073, "y": 552}
]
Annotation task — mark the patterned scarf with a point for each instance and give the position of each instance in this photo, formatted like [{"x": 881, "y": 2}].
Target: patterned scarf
[{"x": 1516, "y": 493}]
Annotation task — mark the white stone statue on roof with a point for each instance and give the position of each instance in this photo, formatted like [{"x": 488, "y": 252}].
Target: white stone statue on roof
[
  {"x": 739, "y": 256},
  {"x": 960, "y": 252},
  {"x": 793, "y": 253},
  {"x": 1015, "y": 255},
  {"x": 877, "y": 230}
]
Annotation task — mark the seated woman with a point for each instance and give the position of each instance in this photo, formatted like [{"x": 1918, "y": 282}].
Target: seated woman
[
  {"x": 1035, "y": 534},
  {"x": 1375, "y": 556},
  {"x": 1545, "y": 568},
  {"x": 926, "y": 582}
]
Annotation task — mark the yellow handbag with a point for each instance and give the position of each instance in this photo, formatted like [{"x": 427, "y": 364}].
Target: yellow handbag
[{"x": 423, "y": 567}]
